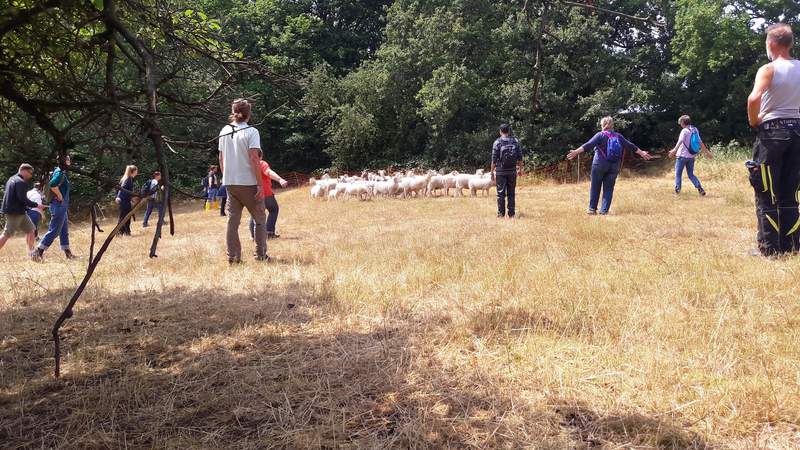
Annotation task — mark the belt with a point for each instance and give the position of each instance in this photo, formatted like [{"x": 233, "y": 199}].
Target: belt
[{"x": 780, "y": 124}]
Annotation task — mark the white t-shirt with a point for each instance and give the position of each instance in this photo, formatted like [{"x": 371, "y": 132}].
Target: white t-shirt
[
  {"x": 35, "y": 196},
  {"x": 236, "y": 169}
]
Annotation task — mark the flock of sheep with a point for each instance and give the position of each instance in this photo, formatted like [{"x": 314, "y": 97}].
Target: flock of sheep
[{"x": 404, "y": 185}]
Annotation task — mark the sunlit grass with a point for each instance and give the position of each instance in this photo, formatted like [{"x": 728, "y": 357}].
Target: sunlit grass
[{"x": 422, "y": 323}]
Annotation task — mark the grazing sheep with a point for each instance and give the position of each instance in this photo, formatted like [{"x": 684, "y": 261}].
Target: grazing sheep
[
  {"x": 481, "y": 183},
  {"x": 449, "y": 182},
  {"x": 361, "y": 190},
  {"x": 462, "y": 182},
  {"x": 387, "y": 188},
  {"x": 316, "y": 191},
  {"x": 415, "y": 184},
  {"x": 436, "y": 183}
]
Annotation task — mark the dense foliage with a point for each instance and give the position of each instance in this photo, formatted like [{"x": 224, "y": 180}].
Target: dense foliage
[{"x": 366, "y": 83}]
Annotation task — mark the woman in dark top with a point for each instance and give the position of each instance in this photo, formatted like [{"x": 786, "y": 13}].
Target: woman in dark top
[
  {"x": 609, "y": 147},
  {"x": 124, "y": 198}
]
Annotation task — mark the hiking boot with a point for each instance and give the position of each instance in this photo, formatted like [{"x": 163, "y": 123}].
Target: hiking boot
[
  {"x": 273, "y": 235},
  {"x": 37, "y": 255},
  {"x": 591, "y": 212},
  {"x": 234, "y": 261},
  {"x": 701, "y": 191},
  {"x": 264, "y": 258},
  {"x": 68, "y": 254}
]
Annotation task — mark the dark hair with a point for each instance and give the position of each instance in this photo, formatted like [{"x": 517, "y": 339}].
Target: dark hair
[
  {"x": 156, "y": 173},
  {"x": 62, "y": 160},
  {"x": 781, "y": 34},
  {"x": 505, "y": 128},
  {"x": 212, "y": 168},
  {"x": 240, "y": 110}
]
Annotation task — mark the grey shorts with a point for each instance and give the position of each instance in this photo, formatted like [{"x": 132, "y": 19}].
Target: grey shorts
[{"x": 17, "y": 223}]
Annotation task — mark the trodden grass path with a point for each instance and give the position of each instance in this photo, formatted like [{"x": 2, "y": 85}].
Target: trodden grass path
[{"x": 419, "y": 324}]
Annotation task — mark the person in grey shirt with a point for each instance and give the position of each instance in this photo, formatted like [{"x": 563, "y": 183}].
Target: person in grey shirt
[
  {"x": 15, "y": 202},
  {"x": 773, "y": 110}
]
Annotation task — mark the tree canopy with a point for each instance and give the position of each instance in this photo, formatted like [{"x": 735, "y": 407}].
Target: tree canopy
[{"x": 366, "y": 83}]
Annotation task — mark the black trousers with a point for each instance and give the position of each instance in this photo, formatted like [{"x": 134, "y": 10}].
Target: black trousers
[
  {"x": 124, "y": 208},
  {"x": 222, "y": 206},
  {"x": 776, "y": 180},
  {"x": 506, "y": 188}
]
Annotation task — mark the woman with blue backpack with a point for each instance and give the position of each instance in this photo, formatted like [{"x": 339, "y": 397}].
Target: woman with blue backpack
[
  {"x": 688, "y": 147},
  {"x": 609, "y": 148}
]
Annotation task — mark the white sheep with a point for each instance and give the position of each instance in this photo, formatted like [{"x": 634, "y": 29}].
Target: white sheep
[
  {"x": 436, "y": 183},
  {"x": 415, "y": 184},
  {"x": 317, "y": 191},
  {"x": 361, "y": 190},
  {"x": 462, "y": 182},
  {"x": 449, "y": 182},
  {"x": 481, "y": 183},
  {"x": 387, "y": 188}
]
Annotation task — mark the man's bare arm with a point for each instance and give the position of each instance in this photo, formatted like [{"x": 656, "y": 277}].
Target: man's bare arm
[{"x": 762, "y": 83}]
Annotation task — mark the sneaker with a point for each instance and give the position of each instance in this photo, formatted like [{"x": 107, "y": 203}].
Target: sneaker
[
  {"x": 591, "y": 212},
  {"x": 68, "y": 254},
  {"x": 37, "y": 255},
  {"x": 264, "y": 258},
  {"x": 273, "y": 235},
  {"x": 701, "y": 191},
  {"x": 234, "y": 261},
  {"x": 144, "y": 225},
  {"x": 677, "y": 190}
]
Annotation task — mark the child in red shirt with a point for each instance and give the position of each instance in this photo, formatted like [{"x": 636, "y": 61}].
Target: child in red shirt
[{"x": 270, "y": 203}]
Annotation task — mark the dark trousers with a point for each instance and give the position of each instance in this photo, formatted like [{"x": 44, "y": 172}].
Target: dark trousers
[
  {"x": 776, "y": 180},
  {"x": 271, "y": 204},
  {"x": 151, "y": 204},
  {"x": 124, "y": 208},
  {"x": 604, "y": 176},
  {"x": 506, "y": 188},
  {"x": 222, "y": 203}
]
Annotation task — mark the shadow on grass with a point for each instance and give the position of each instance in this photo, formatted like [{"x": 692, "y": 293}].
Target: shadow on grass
[
  {"x": 201, "y": 369},
  {"x": 626, "y": 430}
]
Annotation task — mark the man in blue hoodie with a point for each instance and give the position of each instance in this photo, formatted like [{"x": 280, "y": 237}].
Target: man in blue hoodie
[{"x": 15, "y": 203}]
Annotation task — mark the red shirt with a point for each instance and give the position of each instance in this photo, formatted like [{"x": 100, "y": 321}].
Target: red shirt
[{"x": 266, "y": 181}]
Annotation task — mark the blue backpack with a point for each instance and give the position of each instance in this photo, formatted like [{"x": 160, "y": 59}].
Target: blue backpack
[
  {"x": 613, "y": 147},
  {"x": 695, "y": 144}
]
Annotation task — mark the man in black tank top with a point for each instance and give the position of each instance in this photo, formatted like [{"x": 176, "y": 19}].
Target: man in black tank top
[{"x": 774, "y": 112}]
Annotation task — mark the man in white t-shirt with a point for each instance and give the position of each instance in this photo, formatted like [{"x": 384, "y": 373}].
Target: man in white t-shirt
[{"x": 239, "y": 144}]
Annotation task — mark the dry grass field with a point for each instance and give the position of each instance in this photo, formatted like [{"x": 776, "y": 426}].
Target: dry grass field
[{"x": 419, "y": 324}]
